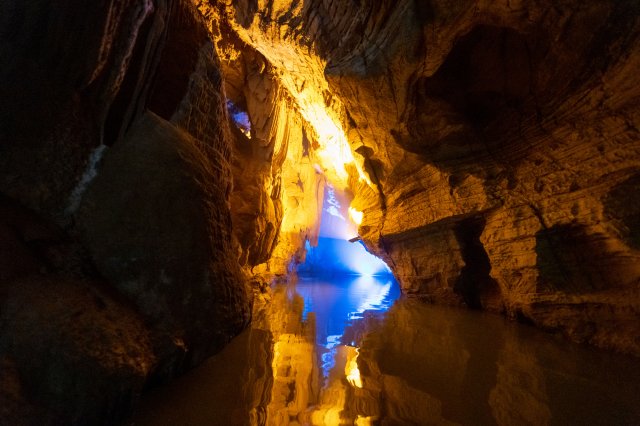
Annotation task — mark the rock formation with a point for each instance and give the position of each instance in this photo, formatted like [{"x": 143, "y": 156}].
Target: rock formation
[
  {"x": 492, "y": 147},
  {"x": 118, "y": 268}
]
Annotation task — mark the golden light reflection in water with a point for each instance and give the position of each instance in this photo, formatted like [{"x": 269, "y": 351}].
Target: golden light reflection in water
[
  {"x": 293, "y": 395},
  {"x": 303, "y": 392},
  {"x": 424, "y": 365},
  {"x": 294, "y": 385},
  {"x": 351, "y": 371},
  {"x": 364, "y": 421}
]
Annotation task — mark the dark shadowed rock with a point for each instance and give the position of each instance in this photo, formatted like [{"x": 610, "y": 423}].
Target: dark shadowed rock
[
  {"x": 158, "y": 227},
  {"x": 148, "y": 285},
  {"x": 80, "y": 355}
]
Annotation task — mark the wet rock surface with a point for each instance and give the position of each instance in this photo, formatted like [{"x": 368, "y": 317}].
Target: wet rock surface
[
  {"x": 80, "y": 355},
  {"x": 167, "y": 250}
]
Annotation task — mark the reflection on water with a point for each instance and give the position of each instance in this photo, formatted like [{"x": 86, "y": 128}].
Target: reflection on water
[
  {"x": 326, "y": 352},
  {"x": 338, "y": 301}
]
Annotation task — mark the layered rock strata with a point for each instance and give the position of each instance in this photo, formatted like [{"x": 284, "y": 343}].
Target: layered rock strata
[
  {"x": 494, "y": 145},
  {"x": 278, "y": 186}
]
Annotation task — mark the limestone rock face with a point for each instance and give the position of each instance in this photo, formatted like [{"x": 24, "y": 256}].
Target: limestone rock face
[
  {"x": 57, "y": 88},
  {"x": 168, "y": 248},
  {"x": 117, "y": 264},
  {"x": 278, "y": 186},
  {"x": 495, "y": 145},
  {"x": 519, "y": 125}
]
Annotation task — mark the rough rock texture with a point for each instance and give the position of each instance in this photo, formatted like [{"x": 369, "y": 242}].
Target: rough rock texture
[
  {"x": 498, "y": 141},
  {"x": 278, "y": 189},
  {"x": 492, "y": 146},
  {"x": 167, "y": 250},
  {"x": 117, "y": 266}
]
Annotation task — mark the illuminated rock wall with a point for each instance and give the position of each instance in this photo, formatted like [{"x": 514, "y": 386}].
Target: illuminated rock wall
[
  {"x": 502, "y": 151},
  {"x": 278, "y": 187},
  {"x": 494, "y": 145}
]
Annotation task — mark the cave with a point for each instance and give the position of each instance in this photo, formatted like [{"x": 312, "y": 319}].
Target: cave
[
  {"x": 474, "y": 282},
  {"x": 319, "y": 212}
]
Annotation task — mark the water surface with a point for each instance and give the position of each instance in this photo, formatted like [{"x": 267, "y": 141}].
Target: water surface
[{"x": 341, "y": 351}]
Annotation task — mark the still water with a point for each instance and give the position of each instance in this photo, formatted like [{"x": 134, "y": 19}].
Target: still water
[{"x": 347, "y": 351}]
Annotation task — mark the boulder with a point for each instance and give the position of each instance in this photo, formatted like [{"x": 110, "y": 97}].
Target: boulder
[{"x": 157, "y": 225}]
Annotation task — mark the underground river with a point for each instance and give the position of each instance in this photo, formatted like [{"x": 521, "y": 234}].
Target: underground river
[{"x": 349, "y": 351}]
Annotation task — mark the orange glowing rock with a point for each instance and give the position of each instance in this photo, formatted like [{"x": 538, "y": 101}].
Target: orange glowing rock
[{"x": 355, "y": 215}]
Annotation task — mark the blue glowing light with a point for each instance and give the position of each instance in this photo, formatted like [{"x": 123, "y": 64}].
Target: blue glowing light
[
  {"x": 339, "y": 257},
  {"x": 334, "y": 205},
  {"x": 340, "y": 280},
  {"x": 334, "y": 254},
  {"x": 363, "y": 262},
  {"x": 334, "y": 222},
  {"x": 339, "y": 301},
  {"x": 240, "y": 118}
]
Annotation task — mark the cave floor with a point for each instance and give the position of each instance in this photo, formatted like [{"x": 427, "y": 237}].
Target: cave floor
[{"x": 345, "y": 351}]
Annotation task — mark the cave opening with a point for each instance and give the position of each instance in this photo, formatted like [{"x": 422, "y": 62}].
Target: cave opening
[
  {"x": 339, "y": 250},
  {"x": 474, "y": 283},
  {"x": 240, "y": 118}
]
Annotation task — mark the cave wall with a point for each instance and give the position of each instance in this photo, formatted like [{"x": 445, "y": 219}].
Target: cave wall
[
  {"x": 278, "y": 187},
  {"x": 522, "y": 118},
  {"x": 499, "y": 141},
  {"x": 492, "y": 146},
  {"x": 117, "y": 261}
]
